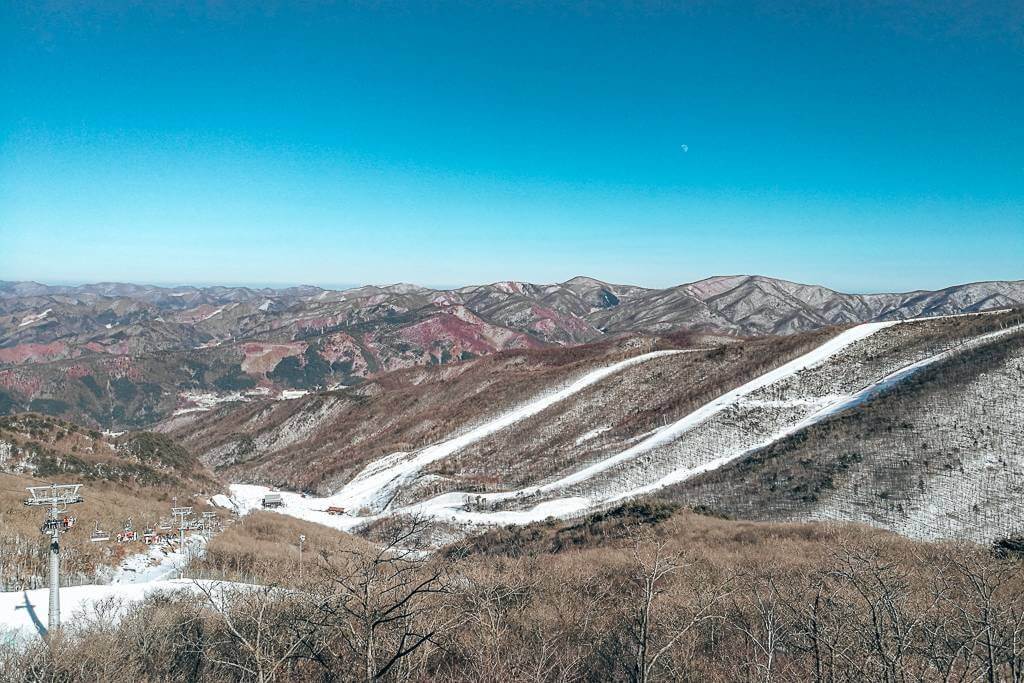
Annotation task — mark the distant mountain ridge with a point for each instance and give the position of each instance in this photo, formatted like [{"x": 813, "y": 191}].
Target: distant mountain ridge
[{"x": 118, "y": 354}]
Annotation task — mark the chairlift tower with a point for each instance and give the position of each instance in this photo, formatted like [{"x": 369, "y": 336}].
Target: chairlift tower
[
  {"x": 57, "y": 498},
  {"x": 209, "y": 522},
  {"x": 181, "y": 514}
]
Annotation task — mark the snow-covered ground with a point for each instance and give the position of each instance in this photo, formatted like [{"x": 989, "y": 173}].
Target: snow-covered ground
[
  {"x": 370, "y": 494},
  {"x": 198, "y": 401},
  {"x": 160, "y": 562},
  {"x": 222, "y": 501},
  {"x": 24, "y": 614},
  {"x": 375, "y": 487},
  {"x": 29, "y": 319}
]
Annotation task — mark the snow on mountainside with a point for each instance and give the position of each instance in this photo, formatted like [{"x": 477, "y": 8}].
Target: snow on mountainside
[
  {"x": 847, "y": 374},
  {"x": 937, "y": 451}
]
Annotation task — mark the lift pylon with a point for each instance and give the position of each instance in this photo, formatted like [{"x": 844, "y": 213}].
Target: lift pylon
[{"x": 56, "y": 498}]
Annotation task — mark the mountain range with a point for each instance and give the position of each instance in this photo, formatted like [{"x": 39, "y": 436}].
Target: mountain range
[{"x": 124, "y": 355}]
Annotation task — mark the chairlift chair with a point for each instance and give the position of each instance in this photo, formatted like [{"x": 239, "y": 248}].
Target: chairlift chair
[
  {"x": 128, "y": 533},
  {"x": 98, "y": 535}
]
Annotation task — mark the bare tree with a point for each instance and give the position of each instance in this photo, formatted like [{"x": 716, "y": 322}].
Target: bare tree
[
  {"x": 985, "y": 596},
  {"x": 889, "y": 624},
  {"x": 762, "y": 621},
  {"x": 651, "y": 629},
  {"x": 258, "y": 627},
  {"x": 381, "y": 602}
]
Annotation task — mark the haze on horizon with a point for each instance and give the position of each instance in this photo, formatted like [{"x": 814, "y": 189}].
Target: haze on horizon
[{"x": 859, "y": 147}]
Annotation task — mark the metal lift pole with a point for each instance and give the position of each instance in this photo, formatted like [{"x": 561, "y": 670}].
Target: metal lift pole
[
  {"x": 53, "y": 622},
  {"x": 182, "y": 513},
  {"x": 56, "y": 497}
]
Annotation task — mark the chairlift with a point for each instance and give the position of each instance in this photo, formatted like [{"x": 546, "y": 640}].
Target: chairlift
[
  {"x": 165, "y": 524},
  {"x": 128, "y": 533},
  {"x": 98, "y": 535},
  {"x": 127, "y": 536}
]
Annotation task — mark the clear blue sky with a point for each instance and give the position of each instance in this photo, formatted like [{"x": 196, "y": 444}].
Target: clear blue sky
[{"x": 866, "y": 146}]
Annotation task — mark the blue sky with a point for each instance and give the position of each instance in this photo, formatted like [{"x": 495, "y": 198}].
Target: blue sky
[{"x": 864, "y": 146}]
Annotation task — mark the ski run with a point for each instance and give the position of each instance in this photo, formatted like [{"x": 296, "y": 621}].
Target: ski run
[
  {"x": 369, "y": 495},
  {"x": 24, "y": 614}
]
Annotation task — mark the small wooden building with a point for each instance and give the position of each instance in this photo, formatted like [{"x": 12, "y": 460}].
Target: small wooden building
[{"x": 272, "y": 500}]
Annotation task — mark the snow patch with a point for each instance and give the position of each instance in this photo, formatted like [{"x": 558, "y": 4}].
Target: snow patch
[{"x": 29, "y": 319}]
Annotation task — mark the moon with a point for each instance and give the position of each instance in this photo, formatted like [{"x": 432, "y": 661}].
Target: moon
[{"x": 685, "y": 148}]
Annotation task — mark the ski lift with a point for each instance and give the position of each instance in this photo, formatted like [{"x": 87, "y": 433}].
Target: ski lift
[
  {"x": 128, "y": 536},
  {"x": 165, "y": 524},
  {"x": 98, "y": 535},
  {"x": 128, "y": 533},
  {"x": 149, "y": 536}
]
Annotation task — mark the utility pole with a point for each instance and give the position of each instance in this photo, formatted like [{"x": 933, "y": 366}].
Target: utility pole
[
  {"x": 302, "y": 539},
  {"x": 56, "y": 497}
]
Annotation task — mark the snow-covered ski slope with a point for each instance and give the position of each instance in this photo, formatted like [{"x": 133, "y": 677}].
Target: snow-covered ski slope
[
  {"x": 24, "y": 614},
  {"x": 837, "y": 375},
  {"x": 373, "y": 489},
  {"x": 376, "y": 485}
]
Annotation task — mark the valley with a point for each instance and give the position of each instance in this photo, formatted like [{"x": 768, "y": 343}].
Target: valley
[{"x": 883, "y": 435}]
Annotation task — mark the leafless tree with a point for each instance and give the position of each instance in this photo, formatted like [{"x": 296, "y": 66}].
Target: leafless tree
[
  {"x": 258, "y": 627},
  {"x": 762, "y": 620},
  {"x": 651, "y": 629},
  {"x": 984, "y": 595},
  {"x": 381, "y": 603}
]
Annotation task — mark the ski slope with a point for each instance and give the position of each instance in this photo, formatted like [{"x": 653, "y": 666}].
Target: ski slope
[
  {"x": 376, "y": 487},
  {"x": 24, "y": 614},
  {"x": 834, "y": 406},
  {"x": 158, "y": 563},
  {"x": 380, "y": 481}
]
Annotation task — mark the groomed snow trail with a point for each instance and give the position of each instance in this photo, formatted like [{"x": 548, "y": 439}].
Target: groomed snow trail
[
  {"x": 377, "y": 484},
  {"x": 836, "y": 406},
  {"x": 157, "y": 563},
  {"x": 381, "y": 479}
]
